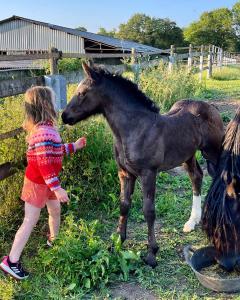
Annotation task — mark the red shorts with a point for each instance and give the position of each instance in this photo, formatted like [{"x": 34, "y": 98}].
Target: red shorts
[{"x": 36, "y": 194}]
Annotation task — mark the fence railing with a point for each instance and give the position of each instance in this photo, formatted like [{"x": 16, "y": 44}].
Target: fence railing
[{"x": 198, "y": 57}]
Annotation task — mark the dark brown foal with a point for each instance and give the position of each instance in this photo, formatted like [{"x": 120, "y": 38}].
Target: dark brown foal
[{"x": 147, "y": 142}]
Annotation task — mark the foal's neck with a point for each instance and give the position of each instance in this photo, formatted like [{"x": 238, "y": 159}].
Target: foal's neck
[{"x": 125, "y": 115}]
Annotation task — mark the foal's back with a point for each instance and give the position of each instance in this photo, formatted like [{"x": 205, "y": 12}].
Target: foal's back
[
  {"x": 207, "y": 121},
  {"x": 189, "y": 126}
]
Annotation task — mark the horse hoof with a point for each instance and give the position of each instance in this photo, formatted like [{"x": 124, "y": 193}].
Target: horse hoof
[
  {"x": 189, "y": 226},
  {"x": 150, "y": 260}
]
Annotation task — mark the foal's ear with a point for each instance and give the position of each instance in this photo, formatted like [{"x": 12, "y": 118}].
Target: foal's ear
[{"x": 89, "y": 72}]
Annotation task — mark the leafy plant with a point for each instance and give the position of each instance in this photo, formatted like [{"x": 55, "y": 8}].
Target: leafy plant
[
  {"x": 226, "y": 117},
  {"x": 82, "y": 259},
  {"x": 166, "y": 87}
]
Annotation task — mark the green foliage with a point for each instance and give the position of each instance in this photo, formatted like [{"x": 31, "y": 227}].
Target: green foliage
[
  {"x": 81, "y": 28},
  {"x": 166, "y": 87},
  {"x": 66, "y": 65},
  {"x": 13, "y": 150},
  {"x": 214, "y": 27},
  {"x": 103, "y": 31},
  {"x": 11, "y": 117},
  {"x": 6, "y": 290},
  {"x": 69, "y": 65},
  {"x": 226, "y": 117},
  {"x": 236, "y": 19},
  {"x": 144, "y": 29},
  {"x": 82, "y": 259},
  {"x": 90, "y": 175},
  {"x": 156, "y": 32}
]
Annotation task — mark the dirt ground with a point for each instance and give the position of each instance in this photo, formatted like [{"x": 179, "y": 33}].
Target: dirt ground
[
  {"x": 131, "y": 291},
  {"x": 228, "y": 105}
]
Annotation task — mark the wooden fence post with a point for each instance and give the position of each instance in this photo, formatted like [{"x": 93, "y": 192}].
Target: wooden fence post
[
  {"x": 59, "y": 86},
  {"x": 54, "y": 56},
  {"x": 201, "y": 64},
  {"x": 221, "y": 58},
  {"x": 135, "y": 65},
  {"x": 171, "y": 59},
  {"x": 226, "y": 58},
  {"x": 212, "y": 50},
  {"x": 215, "y": 60},
  {"x": 210, "y": 61},
  {"x": 133, "y": 56},
  {"x": 190, "y": 58}
]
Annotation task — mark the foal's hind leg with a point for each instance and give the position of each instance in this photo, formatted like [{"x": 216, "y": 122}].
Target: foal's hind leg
[
  {"x": 195, "y": 173},
  {"x": 127, "y": 182}
]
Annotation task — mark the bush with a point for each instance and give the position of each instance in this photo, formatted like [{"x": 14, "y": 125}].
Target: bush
[
  {"x": 165, "y": 87},
  {"x": 90, "y": 175},
  {"x": 12, "y": 149},
  {"x": 11, "y": 117},
  {"x": 82, "y": 260},
  {"x": 66, "y": 65}
]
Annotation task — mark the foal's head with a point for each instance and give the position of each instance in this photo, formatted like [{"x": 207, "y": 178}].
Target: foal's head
[
  {"x": 98, "y": 87},
  {"x": 86, "y": 101}
]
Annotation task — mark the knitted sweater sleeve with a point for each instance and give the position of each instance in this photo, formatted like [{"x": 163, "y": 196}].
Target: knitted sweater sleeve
[
  {"x": 46, "y": 154},
  {"x": 69, "y": 149}
]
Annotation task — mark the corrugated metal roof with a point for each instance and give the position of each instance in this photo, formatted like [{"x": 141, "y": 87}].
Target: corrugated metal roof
[{"x": 123, "y": 45}]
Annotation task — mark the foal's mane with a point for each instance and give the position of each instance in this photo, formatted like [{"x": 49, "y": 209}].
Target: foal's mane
[{"x": 130, "y": 87}]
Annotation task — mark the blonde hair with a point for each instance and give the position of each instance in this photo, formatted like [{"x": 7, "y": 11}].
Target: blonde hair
[{"x": 40, "y": 105}]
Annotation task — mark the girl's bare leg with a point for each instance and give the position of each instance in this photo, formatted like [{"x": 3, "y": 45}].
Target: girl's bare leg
[
  {"x": 31, "y": 218},
  {"x": 54, "y": 211}
]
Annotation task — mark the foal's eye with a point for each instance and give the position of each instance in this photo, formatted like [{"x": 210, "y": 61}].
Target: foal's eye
[{"x": 81, "y": 95}]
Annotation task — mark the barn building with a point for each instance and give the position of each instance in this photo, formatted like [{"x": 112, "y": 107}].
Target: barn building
[{"x": 21, "y": 34}]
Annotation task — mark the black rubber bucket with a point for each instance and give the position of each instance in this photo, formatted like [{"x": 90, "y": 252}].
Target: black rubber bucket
[{"x": 202, "y": 258}]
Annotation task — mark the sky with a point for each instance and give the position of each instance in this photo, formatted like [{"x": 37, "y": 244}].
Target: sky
[{"x": 93, "y": 14}]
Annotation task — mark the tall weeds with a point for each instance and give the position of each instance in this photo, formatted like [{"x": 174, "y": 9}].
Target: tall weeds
[{"x": 165, "y": 87}]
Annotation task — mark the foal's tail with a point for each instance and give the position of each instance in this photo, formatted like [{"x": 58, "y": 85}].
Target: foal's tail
[{"x": 222, "y": 206}]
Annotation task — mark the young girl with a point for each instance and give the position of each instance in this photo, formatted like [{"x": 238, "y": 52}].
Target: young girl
[{"x": 41, "y": 183}]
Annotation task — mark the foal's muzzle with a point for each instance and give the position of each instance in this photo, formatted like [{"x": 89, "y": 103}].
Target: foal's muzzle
[{"x": 66, "y": 119}]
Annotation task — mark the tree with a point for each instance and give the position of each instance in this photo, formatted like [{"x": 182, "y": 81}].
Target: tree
[
  {"x": 103, "y": 31},
  {"x": 81, "y": 28},
  {"x": 236, "y": 17},
  {"x": 160, "y": 33},
  {"x": 215, "y": 27}
]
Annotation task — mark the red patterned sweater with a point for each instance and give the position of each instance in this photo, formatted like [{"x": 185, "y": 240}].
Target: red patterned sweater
[{"x": 45, "y": 154}]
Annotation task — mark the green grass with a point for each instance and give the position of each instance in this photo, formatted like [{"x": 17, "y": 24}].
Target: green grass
[
  {"x": 225, "y": 83},
  {"x": 231, "y": 72}
]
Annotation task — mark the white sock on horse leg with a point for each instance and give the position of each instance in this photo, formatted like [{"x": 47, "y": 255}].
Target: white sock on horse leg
[{"x": 195, "y": 214}]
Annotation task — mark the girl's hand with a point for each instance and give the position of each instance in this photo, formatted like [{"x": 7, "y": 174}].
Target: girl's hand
[
  {"x": 80, "y": 143},
  {"x": 61, "y": 195}
]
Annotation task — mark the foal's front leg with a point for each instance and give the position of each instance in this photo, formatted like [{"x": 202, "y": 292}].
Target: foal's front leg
[
  {"x": 148, "y": 180},
  {"x": 127, "y": 182}
]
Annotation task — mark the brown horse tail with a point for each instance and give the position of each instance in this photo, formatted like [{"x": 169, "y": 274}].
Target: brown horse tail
[
  {"x": 232, "y": 135},
  {"x": 221, "y": 212}
]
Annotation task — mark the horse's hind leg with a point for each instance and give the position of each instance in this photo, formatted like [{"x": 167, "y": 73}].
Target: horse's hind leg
[
  {"x": 195, "y": 173},
  {"x": 127, "y": 182}
]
